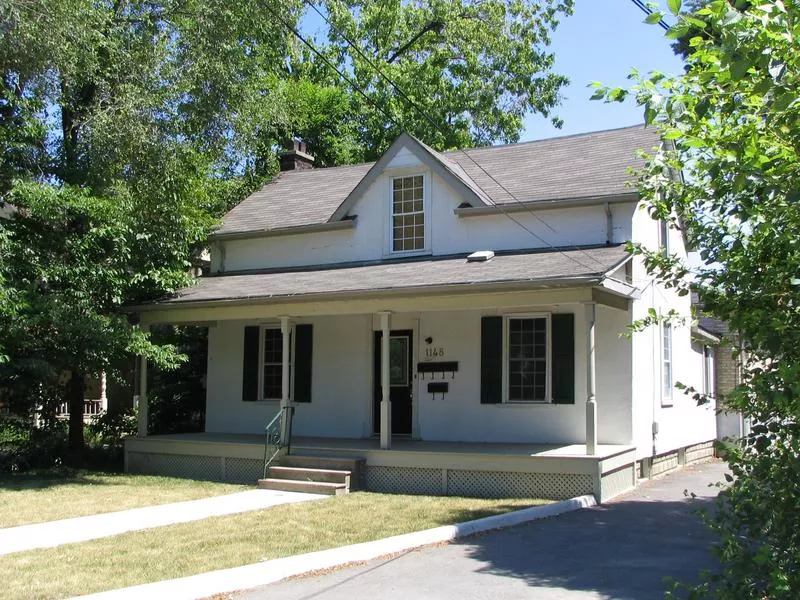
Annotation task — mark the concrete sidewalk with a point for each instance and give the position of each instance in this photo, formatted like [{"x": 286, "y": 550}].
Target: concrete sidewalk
[{"x": 67, "y": 531}]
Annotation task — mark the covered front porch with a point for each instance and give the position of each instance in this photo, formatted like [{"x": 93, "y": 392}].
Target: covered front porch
[
  {"x": 478, "y": 379},
  {"x": 410, "y": 466}
]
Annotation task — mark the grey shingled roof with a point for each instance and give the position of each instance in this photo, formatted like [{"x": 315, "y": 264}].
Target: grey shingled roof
[
  {"x": 532, "y": 268},
  {"x": 294, "y": 198},
  {"x": 578, "y": 166}
]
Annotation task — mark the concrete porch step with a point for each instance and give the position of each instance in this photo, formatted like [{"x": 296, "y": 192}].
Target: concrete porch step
[
  {"x": 356, "y": 467},
  {"x": 308, "y": 487},
  {"x": 321, "y": 462},
  {"x": 308, "y": 474}
]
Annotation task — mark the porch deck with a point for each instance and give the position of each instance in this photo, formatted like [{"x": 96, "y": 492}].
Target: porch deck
[{"x": 429, "y": 467}]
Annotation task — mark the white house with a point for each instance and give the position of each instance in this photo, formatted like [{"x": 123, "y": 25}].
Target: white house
[{"x": 458, "y": 320}]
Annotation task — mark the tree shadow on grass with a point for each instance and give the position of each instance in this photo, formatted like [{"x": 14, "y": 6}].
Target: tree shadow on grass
[{"x": 52, "y": 478}]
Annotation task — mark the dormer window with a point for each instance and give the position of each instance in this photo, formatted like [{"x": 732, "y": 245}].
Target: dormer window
[{"x": 408, "y": 214}]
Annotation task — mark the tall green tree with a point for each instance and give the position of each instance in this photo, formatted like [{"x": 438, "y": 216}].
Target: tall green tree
[
  {"x": 118, "y": 125},
  {"x": 128, "y": 126},
  {"x": 474, "y": 69},
  {"x": 730, "y": 124}
]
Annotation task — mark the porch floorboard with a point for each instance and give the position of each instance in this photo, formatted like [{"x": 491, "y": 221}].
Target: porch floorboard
[{"x": 309, "y": 445}]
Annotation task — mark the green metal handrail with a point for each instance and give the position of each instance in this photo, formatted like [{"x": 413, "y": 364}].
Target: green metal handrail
[{"x": 272, "y": 442}]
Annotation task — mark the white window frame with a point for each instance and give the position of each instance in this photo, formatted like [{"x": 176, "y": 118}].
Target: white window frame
[
  {"x": 548, "y": 399},
  {"x": 667, "y": 364},
  {"x": 426, "y": 211},
  {"x": 261, "y": 331}
]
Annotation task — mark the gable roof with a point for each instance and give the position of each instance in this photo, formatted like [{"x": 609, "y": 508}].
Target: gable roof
[
  {"x": 564, "y": 168},
  {"x": 447, "y": 170}
]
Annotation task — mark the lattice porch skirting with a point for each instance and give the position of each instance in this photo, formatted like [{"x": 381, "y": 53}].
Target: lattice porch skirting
[{"x": 479, "y": 484}]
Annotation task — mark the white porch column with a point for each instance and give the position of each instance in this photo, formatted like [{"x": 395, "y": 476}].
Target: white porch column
[
  {"x": 386, "y": 405},
  {"x": 103, "y": 388},
  {"x": 286, "y": 416},
  {"x": 140, "y": 400},
  {"x": 591, "y": 402}
]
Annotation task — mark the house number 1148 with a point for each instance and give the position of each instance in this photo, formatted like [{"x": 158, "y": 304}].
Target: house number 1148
[{"x": 434, "y": 352}]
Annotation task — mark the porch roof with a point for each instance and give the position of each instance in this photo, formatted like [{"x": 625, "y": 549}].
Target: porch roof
[{"x": 567, "y": 267}]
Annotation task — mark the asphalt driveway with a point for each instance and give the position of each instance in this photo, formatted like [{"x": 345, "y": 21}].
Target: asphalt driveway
[{"x": 621, "y": 550}]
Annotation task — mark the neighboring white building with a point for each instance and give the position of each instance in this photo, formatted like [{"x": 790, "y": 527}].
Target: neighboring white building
[{"x": 508, "y": 373}]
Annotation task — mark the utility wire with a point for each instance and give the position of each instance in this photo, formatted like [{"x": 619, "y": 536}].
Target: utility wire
[
  {"x": 649, "y": 11},
  {"x": 436, "y": 126}
]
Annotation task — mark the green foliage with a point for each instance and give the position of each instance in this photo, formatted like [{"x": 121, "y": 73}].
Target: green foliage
[
  {"x": 70, "y": 258},
  {"x": 24, "y": 447},
  {"x": 730, "y": 125},
  {"x": 474, "y": 80},
  {"x": 128, "y": 128},
  {"x": 177, "y": 398},
  {"x": 105, "y": 437}
]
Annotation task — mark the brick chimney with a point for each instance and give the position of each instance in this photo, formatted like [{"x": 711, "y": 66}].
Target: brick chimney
[{"x": 296, "y": 157}]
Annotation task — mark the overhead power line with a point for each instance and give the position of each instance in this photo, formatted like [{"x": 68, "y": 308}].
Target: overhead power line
[
  {"x": 649, "y": 11},
  {"x": 427, "y": 117}
]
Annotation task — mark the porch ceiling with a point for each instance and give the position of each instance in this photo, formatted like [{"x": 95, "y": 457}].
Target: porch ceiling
[{"x": 550, "y": 268}]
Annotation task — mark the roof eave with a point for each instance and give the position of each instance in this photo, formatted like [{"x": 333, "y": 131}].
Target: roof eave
[
  {"x": 282, "y": 231},
  {"x": 620, "y": 288},
  {"x": 495, "y": 286},
  {"x": 703, "y": 335},
  {"x": 535, "y": 205}
]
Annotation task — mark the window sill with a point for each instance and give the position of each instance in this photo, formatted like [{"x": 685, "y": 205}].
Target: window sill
[
  {"x": 522, "y": 403},
  {"x": 406, "y": 253},
  {"x": 266, "y": 402}
]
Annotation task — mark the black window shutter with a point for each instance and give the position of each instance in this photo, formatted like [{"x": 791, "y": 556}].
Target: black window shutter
[
  {"x": 250, "y": 364},
  {"x": 563, "y": 332},
  {"x": 303, "y": 349},
  {"x": 491, "y": 360}
]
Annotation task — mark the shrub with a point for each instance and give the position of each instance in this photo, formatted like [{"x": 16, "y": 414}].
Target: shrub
[
  {"x": 105, "y": 437},
  {"x": 24, "y": 447}
]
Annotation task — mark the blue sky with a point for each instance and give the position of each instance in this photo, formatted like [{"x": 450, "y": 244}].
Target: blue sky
[{"x": 602, "y": 41}]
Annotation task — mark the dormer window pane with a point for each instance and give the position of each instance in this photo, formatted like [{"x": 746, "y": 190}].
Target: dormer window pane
[{"x": 408, "y": 214}]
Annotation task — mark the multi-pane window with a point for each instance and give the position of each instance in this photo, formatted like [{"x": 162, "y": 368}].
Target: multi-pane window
[
  {"x": 272, "y": 374},
  {"x": 527, "y": 359},
  {"x": 666, "y": 369},
  {"x": 408, "y": 214}
]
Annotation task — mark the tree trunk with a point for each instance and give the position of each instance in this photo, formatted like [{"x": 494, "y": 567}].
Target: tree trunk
[{"x": 75, "y": 394}]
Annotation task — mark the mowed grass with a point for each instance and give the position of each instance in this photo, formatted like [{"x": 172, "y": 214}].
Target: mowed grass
[
  {"x": 28, "y": 499},
  {"x": 224, "y": 542}
]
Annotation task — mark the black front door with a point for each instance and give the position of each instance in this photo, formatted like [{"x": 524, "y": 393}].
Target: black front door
[{"x": 400, "y": 381}]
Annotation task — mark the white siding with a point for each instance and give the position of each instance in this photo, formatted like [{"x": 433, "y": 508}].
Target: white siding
[
  {"x": 683, "y": 423},
  {"x": 613, "y": 360},
  {"x": 340, "y": 386},
  {"x": 343, "y": 370}
]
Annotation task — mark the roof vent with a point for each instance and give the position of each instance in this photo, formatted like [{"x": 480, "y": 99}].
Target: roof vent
[{"x": 481, "y": 256}]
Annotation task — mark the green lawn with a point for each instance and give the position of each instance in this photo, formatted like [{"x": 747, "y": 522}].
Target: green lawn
[
  {"x": 32, "y": 499},
  {"x": 223, "y": 542}
]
